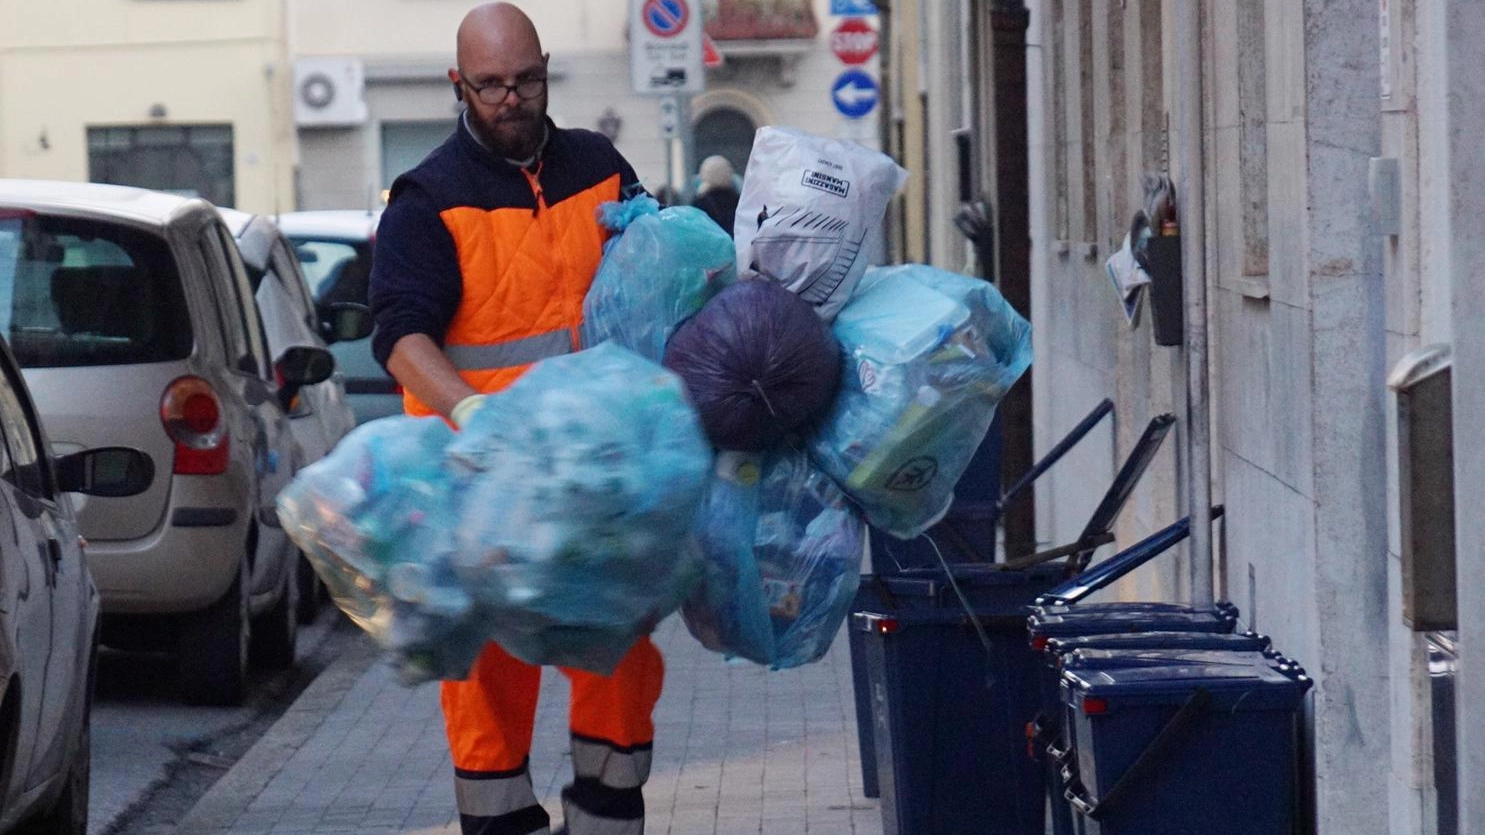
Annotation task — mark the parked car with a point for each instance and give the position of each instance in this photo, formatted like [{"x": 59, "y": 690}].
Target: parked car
[
  {"x": 334, "y": 247},
  {"x": 48, "y": 608},
  {"x": 319, "y": 415},
  {"x": 133, "y": 319}
]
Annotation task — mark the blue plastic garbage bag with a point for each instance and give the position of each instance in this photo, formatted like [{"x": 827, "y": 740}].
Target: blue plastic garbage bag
[
  {"x": 376, "y": 518},
  {"x": 661, "y": 268},
  {"x": 782, "y": 548},
  {"x": 583, "y": 482},
  {"x": 758, "y": 363},
  {"x": 929, "y": 355}
]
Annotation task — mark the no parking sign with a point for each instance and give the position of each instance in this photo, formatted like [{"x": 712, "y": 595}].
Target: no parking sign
[{"x": 665, "y": 49}]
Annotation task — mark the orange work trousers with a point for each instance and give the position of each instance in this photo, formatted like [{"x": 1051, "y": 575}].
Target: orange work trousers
[{"x": 489, "y": 719}]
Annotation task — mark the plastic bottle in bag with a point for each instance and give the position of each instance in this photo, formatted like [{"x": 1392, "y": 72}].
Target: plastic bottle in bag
[{"x": 929, "y": 355}]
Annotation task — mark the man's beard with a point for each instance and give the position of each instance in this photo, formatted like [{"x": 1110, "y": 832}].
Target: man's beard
[{"x": 516, "y": 135}]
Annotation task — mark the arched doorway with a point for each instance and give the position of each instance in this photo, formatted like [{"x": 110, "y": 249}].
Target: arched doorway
[{"x": 726, "y": 131}]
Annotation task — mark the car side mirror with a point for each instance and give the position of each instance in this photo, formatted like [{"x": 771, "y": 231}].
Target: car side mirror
[
  {"x": 300, "y": 366},
  {"x": 345, "y": 321},
  {"x": 111, "y": 471},
  {"x": 306, "y": 256}
]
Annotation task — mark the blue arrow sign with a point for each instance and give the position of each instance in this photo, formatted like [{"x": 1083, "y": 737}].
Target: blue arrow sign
[
  {"x": 852, "y": 7},
  {"x": 854, "y": 93}
]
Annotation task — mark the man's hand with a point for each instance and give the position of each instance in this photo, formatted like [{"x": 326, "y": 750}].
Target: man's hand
[
  {"x": 465, "y": 408},
  {"x": 423, "y": 369}
]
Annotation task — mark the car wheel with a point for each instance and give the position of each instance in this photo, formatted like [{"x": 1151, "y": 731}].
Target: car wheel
[
  {"x": 276, "y": 631},
  {"x": 214, "y": 649},
  {"x": 69, "y": 815},
  {"x": 311, "y": 590}
]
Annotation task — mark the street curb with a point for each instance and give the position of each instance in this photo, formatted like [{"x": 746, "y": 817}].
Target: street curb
[{"x": 230, "y": 796}]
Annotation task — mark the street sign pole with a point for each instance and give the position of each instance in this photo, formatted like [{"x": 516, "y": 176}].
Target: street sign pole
[
  {"x": 666, "y": 59},
  {"x": 685, "y": 147}
]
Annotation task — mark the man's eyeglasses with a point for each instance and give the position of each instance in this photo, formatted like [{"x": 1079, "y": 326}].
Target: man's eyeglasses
[{"x": 495, "y": 93}]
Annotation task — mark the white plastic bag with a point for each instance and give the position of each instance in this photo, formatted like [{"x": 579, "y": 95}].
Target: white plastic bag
[{"x": 808, "y": 207}]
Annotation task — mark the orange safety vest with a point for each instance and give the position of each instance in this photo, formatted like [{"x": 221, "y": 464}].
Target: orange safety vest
[{"x": 524, "y": 275}]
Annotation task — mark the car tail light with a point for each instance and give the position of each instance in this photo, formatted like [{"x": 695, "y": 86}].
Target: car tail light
[{"x": 192, "y": 414}]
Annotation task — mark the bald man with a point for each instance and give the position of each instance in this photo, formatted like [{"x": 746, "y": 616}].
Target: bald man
[{"x": 482, "y": 259}]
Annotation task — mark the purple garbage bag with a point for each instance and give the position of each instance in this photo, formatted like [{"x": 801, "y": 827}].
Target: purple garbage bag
[{"x": 758, "y": 363}]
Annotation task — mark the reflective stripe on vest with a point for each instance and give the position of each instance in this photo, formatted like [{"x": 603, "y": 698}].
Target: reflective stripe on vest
[
  {"x": 512, "y": 353},
  {"x": 613, "y": 766}
]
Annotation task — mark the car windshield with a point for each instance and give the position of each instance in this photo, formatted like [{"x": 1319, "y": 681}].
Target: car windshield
[
  {"x": 336, "y": 270},
  {"x": 77, "y": 292}
]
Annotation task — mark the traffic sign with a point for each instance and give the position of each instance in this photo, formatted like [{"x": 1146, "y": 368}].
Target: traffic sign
[
  {"x": 666, "y": 18},
  {"x": 855, "y": 94},
  {"x": 665, "y": 48},
  {"x": 852, "y": 7},
  {"x": 711, "y": 57},
  {"x": 854, "y": 41}
]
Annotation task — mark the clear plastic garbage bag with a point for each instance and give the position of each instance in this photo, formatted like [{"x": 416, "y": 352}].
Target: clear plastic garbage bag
[
  {"x": 660, "y": 268},
  {"x": 583, "y": 482},
  {"x": 376, "y": 519},
  {"x": 929, "y": 355},
  {"x": 555, "y": 524},
  {"x": 782, "y": 548}
]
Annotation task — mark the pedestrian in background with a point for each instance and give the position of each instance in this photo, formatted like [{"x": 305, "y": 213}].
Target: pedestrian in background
[
  {"x": 717, "y": 195},
  {"x": 483, "y": 256}
]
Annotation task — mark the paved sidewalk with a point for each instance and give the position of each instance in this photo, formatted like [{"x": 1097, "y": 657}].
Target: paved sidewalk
[{"x": 738, "y": 749}]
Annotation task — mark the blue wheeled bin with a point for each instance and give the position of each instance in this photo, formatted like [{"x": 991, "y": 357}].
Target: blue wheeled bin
[
  {"x": 949, "y": 698},
  {"x": 1176, "y": 743},
  {"x": 1060, "y": 616},
  {"x": 966, "y": 536}
]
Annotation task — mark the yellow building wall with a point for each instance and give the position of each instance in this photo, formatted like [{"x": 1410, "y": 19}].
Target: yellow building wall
[{"x": 67, "y": 65}]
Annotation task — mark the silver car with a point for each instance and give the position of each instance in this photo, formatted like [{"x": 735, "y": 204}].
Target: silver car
[
  {"x": 134, "y": 320},
  {"x": 320, "y": 414},
  {"x": 335, "y": 248},
  {"x": 48, "y": 614}
]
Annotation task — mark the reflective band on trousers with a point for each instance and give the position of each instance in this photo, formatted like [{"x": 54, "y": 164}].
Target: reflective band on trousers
[
  {"x": 491, "y": 797},
  {"x": 615, "y": 768},
  {"x": 523, "y": 351},
  {"x": 581, "y": 820}
]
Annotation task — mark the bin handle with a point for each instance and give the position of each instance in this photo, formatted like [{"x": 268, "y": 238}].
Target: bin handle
[{"x": 1149, "y": 759}]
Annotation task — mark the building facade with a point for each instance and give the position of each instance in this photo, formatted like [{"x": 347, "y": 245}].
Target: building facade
[
  {"x": 1324, "y": 156},
  {"x": 274, "y": 105},
  {"x": 778, "y": 68},
  {"x": 183, "y": 96}
]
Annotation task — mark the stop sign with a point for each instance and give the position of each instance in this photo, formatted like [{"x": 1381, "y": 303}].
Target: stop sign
[{"x": 854, "y": 41}]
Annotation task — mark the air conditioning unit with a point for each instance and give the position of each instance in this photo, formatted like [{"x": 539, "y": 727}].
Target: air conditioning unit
[{"x": 329, "y": 91}]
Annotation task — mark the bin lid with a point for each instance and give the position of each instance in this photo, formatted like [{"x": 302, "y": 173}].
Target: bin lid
[
  {"x": 1246, "y": 641},
  {"x": 1088, "y": 609},
  {"x": 887, "y": 621},
  {"x": 934, "y": 581},
  {"x": 1053, "y": 621},
  {"x": 1236, "y": 680},
  {"x": 990, "y": 589}
]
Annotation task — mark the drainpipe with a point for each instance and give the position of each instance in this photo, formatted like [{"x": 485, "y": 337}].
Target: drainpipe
[
  {"x": 1191, "y": 207},
  {"x": 1009, "y": 20}
]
